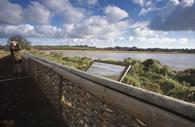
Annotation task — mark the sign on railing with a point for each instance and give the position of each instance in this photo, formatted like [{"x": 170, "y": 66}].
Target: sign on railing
[{"x": 115, "y": 71}]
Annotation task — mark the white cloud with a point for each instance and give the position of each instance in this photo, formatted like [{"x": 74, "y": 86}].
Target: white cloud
[
  {"x": 28, "y": 30},
  {"x": 156, "y": 42},
  {"x": 67, "y": 28},
  {"x": 187, "y": 2},
  {"x": 146, "y": 10},
  {"x": 47, "y": 31},
  {"x": 139, "y": 2},
  {"x": 10, "y": 13},
  {"x": 114, "y": 13},
  {"x": 77, "y": 24},
  {"x": 150, "y": 6},
  {"x": 56, "y": 5},
  {"x": 65, "y": 9},
  {"x": 184, "y": 40},
  {"x": 146, "y": 32},
  {"x": 131, "y": 38},
  {"x": 23, "y": 29},
  {"x": 99, "y": 27},
  {"x": 73, "y": 15},
  {"x": 141, "y": 36},
  {"x": 37, "y": 13},
  {"x": 140, "y": 29}
]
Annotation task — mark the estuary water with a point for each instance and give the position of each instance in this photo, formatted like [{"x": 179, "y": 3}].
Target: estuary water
[{"x": 179, "y": 61}]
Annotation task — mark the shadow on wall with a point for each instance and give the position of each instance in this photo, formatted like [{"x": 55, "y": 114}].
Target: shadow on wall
[
  {"x": 6, "y": 67},
  {"x": 23, "y": 105}
]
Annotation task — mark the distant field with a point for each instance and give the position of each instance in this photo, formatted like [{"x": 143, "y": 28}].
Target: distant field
[{"x": 3, "y": 53}]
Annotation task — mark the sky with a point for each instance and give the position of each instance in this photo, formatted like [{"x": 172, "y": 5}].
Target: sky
[{"x": 100, "y": 23}]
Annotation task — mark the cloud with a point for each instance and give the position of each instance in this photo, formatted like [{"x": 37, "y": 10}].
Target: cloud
[
  {"x": 37, "y": 13},
  {"x": 28, "y": 30},
  {"x": 139, "y": 2},
  {"x": 99, "y": 27},
  {"x": 88, "y": 2},
  {"x": 56, "y": 5},
  {"x": 112, "y": 24},
  {"x": 146, "y": 10},
  {"x": 114, "y": 13},
  {"x": 175, "y": 16},
  {"x": 64, "y": 8},
  {"x": 140, "y": 30},
  {"x": 10, "y": 13},
  {"x": 23, "y": 30},
  {"x": 141, "y": 36},
  {"x": 92, "y": 2},
  {"x": 161, "y": 42},
  {"x": 47, "y": 31},
  {"x": 73, "y": 15},
  {"x": 153, "y": 6},
  {"x": 184, "y": 40}
]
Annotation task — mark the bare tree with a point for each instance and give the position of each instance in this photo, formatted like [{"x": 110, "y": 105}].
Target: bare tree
[{"x": 23, "y": 42}]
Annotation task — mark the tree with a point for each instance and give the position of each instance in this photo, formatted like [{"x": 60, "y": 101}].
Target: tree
[{"x": 25, "y": 44}]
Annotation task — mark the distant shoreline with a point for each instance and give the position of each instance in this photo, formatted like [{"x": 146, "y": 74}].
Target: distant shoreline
[
  {"x": 113, "y": 49},
  {"x": 117, "y": 51},
  {"x": 176, "y": 60},
  {"x": 108, "y": 49}
]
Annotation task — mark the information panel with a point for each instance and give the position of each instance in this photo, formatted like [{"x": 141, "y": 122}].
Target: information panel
[{"x": 109, "y": 70}]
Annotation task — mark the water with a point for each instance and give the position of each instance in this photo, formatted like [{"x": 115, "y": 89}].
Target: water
[{"x": 179, "y": 61}]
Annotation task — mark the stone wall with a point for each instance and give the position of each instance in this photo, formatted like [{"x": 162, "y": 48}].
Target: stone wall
[
  {"x": 83, "y": 102},
  {"x": 80, "y": 108}
]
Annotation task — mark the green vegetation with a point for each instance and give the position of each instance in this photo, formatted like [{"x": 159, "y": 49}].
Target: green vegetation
[
  {"x": 80, "y": 63},
  {"x": 149, "y": 74},
  {"x": 152, "y": 75}
]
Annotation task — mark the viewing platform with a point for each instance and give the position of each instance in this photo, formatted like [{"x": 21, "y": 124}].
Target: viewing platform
[{"x": 48, "y": 94}]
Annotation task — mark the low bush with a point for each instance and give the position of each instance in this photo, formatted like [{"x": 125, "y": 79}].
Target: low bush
[{"x": 187, "y": 75}]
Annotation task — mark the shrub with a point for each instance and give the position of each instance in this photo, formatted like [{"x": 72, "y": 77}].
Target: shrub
[
  {"x": 151, "y": 62},
  {"x": 167, "y": 85},
  {"x": 186, "y": 76},
  {"x": 25, "y": 44},
  {"x": 131, "y": 80},
  {"x": 131, "y": 61},
  {"x": 56, "y": 54}
]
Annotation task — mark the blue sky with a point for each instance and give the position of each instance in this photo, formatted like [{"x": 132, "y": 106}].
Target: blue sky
[{"x": 101, "y": 23}]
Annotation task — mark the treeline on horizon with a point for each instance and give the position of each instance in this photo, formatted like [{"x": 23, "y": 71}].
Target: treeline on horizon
[{"x": 117, "y": 48}]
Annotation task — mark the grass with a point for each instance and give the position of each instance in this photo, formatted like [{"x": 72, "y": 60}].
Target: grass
[
  {"x": 3, "y": 53},
  {"x": 149, "y": 74},
  {"x": 80, "y": 63}
]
